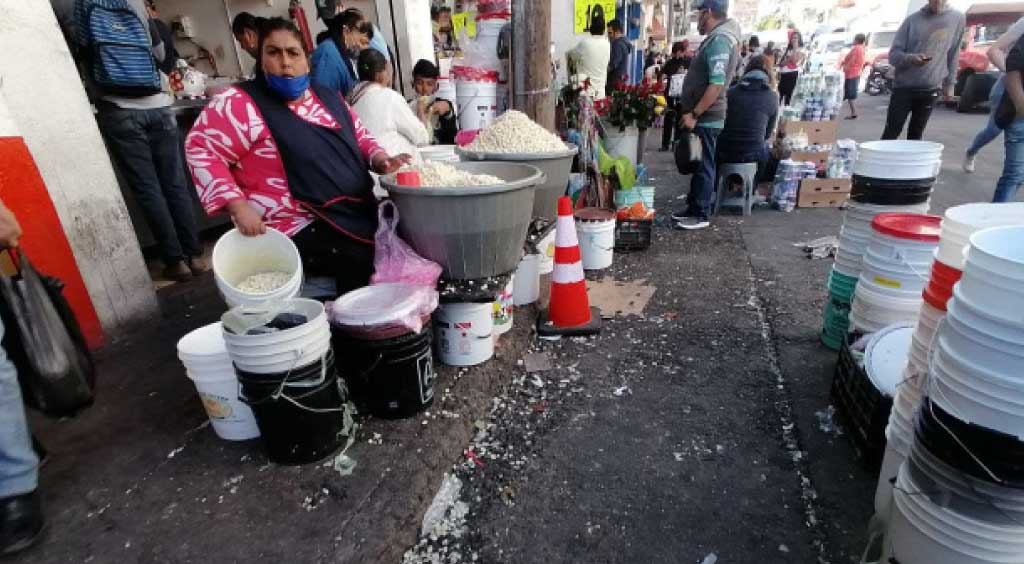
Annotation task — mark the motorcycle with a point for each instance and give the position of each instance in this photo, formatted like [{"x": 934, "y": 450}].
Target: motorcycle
[{"x": 880, "y": 80}]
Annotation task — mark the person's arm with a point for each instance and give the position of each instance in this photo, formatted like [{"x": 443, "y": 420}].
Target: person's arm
[
  {"x": 953, "y": 58},
  {"x": 10, "y": 230},
  {"x": 325, "y": 71},
  {"x": 380, "y": 161},
  {"x": 997, "y": 52},
  {"x": 406, "y": 122},
  {"x": 213, "y": 147},
  {"x": 898, "y": 55},
  {"x": 1015, "y": 90},
  {"x": 772, "y": 120},
  {"x": 447, "y": 127}
]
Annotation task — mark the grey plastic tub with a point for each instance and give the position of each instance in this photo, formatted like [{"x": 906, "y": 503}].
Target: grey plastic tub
[
  {"x": 472, "y": 231},
  {"x": 555, "y": 166}
]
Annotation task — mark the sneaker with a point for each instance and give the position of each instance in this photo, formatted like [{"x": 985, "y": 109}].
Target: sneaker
[
  {"x": 693, "y": 223},
  {"x": 969, "y": 163},
  {"x": 21, "y": 523},
  {"x": 681, "y": 215},
  {"x": 178, "y": 271},
  {"x": 198, "y": 266}
]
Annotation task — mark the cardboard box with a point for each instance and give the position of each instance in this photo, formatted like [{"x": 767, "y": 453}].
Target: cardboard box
[
  {"x": 818, "y": 132},
  {"x": 819, "y": 158},
  {"x": 824, "y": 192}
]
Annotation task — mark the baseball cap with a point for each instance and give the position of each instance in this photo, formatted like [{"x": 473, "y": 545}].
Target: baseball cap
[{"x": 717, "y": 5}]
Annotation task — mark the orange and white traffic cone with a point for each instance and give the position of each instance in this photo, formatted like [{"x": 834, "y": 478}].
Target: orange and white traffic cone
[{"x": 569, "y": 313}]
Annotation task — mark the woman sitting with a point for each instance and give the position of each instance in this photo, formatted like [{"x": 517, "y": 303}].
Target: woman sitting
[
  {"x": 750, "y": 119},
  {"x": 384, "y": 112},
  {"x": 275, "y": 152}
]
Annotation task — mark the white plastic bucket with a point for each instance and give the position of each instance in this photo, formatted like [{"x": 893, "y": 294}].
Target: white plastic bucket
[
  {"x": 622, "y": 143},
  {"x": 546, "y": 246},
  {"x": 986, "y": 353},
  {"x": 281, "y": 351},
  {"x": 464, "y": 333},
  {"x": 875, "y": 307},
  {"x": 207, "y": 364},
  {"x": 986, "y": 400},
  {"x": 439, "y": 153},
  {"x": 1006, "y": 334},
  {"x": 527, "y": 287},
  {"x": 597, "y": 243},
  {"x": 477, "y": 103},
  {"x": 503, "y": 310},
  {"x": 236, "y": 257},
  {"x": 960, "y": 222},
  {"x": 899, "y": 160},
  {"x": 446, "y": 89},
  {"x": 488, "y": 32},
  {"x": 923, "y": 532},
  {"x": 891, "y": 463},
  {"x": 901, "y": 250},
  {"x": 901, "y": 276}
]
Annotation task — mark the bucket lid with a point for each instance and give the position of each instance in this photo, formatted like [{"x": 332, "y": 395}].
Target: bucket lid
[
  {"x": 911, "y": 226},
  {"x": 380, "y": 304},
  {"x": 206, "y": 341},
  {"x": 886, "y": 356}
]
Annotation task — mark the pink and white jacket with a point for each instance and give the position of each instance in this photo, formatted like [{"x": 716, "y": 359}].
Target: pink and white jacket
[{"x": 233, "y": 156}]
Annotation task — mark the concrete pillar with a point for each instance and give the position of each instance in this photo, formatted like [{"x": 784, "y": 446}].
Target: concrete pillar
[{"x": 45, "y": 98}]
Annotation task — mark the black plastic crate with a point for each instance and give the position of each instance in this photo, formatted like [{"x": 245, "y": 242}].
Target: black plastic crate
[
  {"x": 864, "y": 411},
  {"x": 633, "y": 234}
]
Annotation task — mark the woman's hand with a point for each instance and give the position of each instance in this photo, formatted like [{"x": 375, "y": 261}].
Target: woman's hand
[
  {"x": 248, "y": 222},
  {"x": 441, "y": 108},
  {"x": 383, "y": 164}
]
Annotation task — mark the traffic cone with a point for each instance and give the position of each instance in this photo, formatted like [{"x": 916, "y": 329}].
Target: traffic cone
[{"x": 569, "y": 313}]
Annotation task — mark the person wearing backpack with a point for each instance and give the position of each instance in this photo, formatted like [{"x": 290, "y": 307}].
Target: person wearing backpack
[{"x": 121, "y": 52}]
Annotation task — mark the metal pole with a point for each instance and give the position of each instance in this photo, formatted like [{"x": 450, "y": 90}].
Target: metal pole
[{"x": 531, "y": 60}]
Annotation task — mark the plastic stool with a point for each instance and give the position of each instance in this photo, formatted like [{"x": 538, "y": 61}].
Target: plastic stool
[{"x": 748, "y": 173}]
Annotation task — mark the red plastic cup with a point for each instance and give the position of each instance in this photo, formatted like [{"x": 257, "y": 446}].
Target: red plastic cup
[{"x": 408, "y": 178}]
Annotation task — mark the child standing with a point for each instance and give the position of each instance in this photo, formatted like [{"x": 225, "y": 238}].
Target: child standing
[{"x": 852, "y": 65}]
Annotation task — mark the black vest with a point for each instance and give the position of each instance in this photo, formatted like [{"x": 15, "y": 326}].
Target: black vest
[{"x": 327, "y": 173}]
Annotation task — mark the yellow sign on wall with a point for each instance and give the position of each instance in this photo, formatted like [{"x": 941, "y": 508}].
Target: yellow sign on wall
[
  {"x": 464, "y": 20},
  {"x": 582, "y": 13}
]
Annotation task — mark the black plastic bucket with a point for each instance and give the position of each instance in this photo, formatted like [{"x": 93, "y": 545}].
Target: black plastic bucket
[
  {"x": 392, "y": 377},
  {"x": 881, "y": 191},
  {"x": 977, "y": 451},
  {"x": 300, "y": 413}
]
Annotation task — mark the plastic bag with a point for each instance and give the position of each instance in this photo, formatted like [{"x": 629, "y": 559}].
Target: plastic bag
[
  {"x": 689, "y": 152},
  {"x": 43, "y": 340},
  {"x": 396, "y": 309},
  {"x": 394, "y": 260}
]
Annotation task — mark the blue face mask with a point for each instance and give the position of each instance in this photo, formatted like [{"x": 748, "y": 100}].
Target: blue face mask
[{"x": 288, "y": 88}]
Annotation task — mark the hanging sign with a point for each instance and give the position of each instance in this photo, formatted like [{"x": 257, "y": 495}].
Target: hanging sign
[
  {"x": 464, "y": 21},
  {"x": 582, "y": 13}
]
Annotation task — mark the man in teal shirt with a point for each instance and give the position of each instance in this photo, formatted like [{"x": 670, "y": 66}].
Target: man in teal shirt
[{"x": 703, "y": 102}]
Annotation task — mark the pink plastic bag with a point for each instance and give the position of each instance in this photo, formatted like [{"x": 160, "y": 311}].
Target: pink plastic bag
[{"x": 394, "y": 260}]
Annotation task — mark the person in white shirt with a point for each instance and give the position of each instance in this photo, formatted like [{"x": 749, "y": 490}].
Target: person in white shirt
[
  {"x": 383, "y": 111},
  {"x": 590, "y": 58}
]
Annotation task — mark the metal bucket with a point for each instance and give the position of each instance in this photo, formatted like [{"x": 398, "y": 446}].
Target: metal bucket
[
  {"x": 555, "y": 166},
  {"x": 471, "y": 231}
]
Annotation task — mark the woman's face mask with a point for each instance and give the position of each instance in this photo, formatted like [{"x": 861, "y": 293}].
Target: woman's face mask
[{"x": 289, "y": 88}]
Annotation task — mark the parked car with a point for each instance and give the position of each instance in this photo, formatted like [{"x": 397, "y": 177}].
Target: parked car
[
  {"x": 876, "y": 49},
  {"x": 826, "y": 51},
  {"x": 975, "y": 74}
]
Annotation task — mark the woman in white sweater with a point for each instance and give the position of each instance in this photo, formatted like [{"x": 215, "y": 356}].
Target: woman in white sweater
[
  {"x": 589, "y": 59},
  {"x": 383, "y": 111}
]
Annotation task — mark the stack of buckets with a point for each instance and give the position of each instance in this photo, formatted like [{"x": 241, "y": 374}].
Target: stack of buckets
[
  {"x": 482, "y": 89},
  {"x": 958, "y": 224},
  {"x": 208, "y": 365},
  {"x": 286, "y": 368},
  {"x": 959, "y": 498},
  {"x": 889, "y": 177},
  {"x": 894, "y": 271}
]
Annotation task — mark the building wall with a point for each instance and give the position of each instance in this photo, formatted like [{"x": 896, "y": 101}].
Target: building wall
[{"x": 43, "y": 92}]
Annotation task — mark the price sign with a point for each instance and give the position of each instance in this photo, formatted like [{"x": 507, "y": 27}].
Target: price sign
[
  {"x": 464, "y": 21},
  {"x": 582, "y": 13}
]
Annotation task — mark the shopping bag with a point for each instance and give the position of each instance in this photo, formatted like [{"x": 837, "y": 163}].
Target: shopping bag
[
  {"x": 394, "y": 260},
  {"x": 43, "y": 340},
  {"x": 689, "y": 152}
]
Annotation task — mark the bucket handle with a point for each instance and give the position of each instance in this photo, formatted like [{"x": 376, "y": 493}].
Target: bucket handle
[
  {"x": 279, "y": 393},
  {"x": 911, "y": 267}
]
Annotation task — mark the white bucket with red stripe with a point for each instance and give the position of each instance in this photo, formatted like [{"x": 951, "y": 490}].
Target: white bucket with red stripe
[{"x": 464, "y": 333}]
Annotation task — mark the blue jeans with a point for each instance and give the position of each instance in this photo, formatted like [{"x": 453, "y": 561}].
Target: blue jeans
[
  {"x": 18, "y": 462},
  {"x": 1013, "y": 165},
  {"x": 702, "y": 184},
  {"x": 991, "y": 131},
  {"x": 146, "y": 146}
]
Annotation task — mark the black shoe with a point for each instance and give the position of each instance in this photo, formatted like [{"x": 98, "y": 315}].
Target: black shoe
[
  {"x": 21, "y": 523},
  {"x": 681, "y": 215}
]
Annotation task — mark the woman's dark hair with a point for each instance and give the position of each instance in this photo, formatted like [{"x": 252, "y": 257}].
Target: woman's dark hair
[
  {"x": 615, "y": 25},
  {"x": 371, "y": 62},
  {"x": 679, "y": 47},
  {"x": 353, "y": 19},
  {"x": 754, "y": 42},
  {"x": 597, "y": 26},
  {"x": 799, "y": 39},
  {"x": 756, "y": 63},
  {"x": 269, "y": 26},
  {"x": 425, "y": 69},
  {"x": 860, "y": 39},
  {"x": 244, "y": 21}
]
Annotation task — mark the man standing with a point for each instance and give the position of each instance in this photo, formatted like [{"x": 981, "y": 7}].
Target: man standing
[
  {"x": 703, "y": 103},
  {"x": 134, "y": 114},
  {"x": 21, "y": 518},
  {"x": 852, "y": 65},
  {"x": 618, "y": 64},
  {"x": 925, "y": 54},
  {"x": 677, "y": 65}
]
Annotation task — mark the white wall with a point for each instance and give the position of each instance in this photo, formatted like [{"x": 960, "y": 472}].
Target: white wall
[
  {"x": 43, "y": 91},
  {"x": 562, "y": 18}
]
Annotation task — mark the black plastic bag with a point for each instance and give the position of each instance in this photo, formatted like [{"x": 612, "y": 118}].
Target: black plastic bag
[
  {"x": 43, "y": 340},
  {"x": 689, "y": 152}
]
